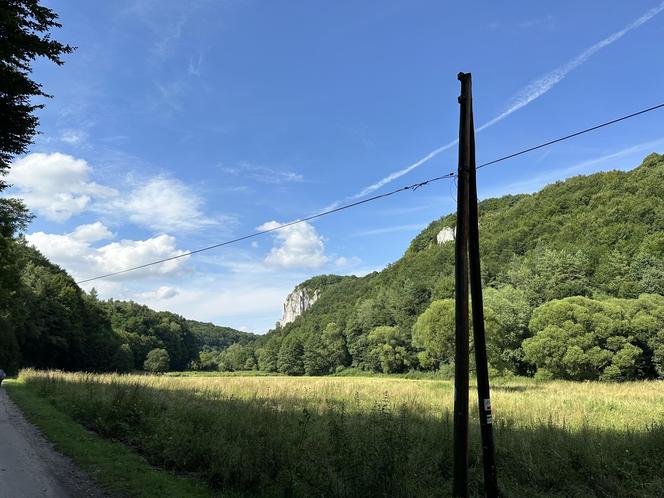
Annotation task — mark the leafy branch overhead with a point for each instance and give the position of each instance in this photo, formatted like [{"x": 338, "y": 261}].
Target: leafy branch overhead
[{"x": 24, "y": 36}]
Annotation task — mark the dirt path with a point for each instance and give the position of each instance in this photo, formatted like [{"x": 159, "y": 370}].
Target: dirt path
[{"x": 30, "y": 467}]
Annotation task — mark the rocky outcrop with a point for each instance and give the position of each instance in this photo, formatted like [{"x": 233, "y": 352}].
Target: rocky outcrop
[
  {"x": 297, "y": 302},
  {"x": 446, "y": 235}
]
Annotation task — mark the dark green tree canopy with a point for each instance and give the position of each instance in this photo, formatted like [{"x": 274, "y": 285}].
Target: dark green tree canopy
[
  {"x": 24, "y": 37},
  {"x": 157, "y": 361}
]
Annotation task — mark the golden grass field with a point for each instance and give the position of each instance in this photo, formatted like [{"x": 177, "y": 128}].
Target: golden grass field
[
  {"x": 553, "y": 439},
  {"x": 523, "y": 402}
]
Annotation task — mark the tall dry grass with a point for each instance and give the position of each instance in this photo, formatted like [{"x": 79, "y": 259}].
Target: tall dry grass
[{"x": 322, "y": 436}]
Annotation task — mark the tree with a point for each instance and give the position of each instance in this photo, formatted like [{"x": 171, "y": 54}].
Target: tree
[
  {"x": 389, "y": 350},
  {"x": 647, "y": 271},
  {"x": 123, "y": 360},
  {"x": 407, "y": 301},
  {"x": 157, "y": 361},
  {"x": 334, "y": 344},
  {"x": 368, "y": 314},
  {"x": 208, "y": 359},
  {"x": 12, "y": 308},
  {"x": 551, "y": 274},
  {"x": 507, "y": 313},
  {"x": 10, "y": 353},
  {"x": 268, "y": 355},
  {"x": 657, "y": 344},
  {"x": 325, "y": 352},
  {"x": 216, "y": 337},
  {"x": 236, "y": 357},
  {"x": 647, "y": 326},
  {"x": 23, "y": 38},
  {"x": 434, "y": 332},
  {"x": 580, "y": 338},
  {"x": 145, "y": 329},
  {"x": 614, "y": 277},
  {"x": 14, "y": 217},
  {"x": 315, "y": 361},
  {"x": 291, "y": 353}
]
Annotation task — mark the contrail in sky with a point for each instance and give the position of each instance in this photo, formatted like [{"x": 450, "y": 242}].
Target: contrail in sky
[{"x": 529, "y": 93}]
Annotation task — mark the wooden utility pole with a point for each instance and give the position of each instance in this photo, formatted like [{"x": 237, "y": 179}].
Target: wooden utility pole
[
  {"x": 460, "y": 485},
  {"x": 479, "y": 336},
  {"x": 468, "y": 251}
]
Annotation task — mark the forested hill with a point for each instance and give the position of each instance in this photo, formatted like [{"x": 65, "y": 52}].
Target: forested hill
[
  {"x": 47, "y": 321},
  {"x": 600, "y": 237},
  {"x": 215, "y": 336}
]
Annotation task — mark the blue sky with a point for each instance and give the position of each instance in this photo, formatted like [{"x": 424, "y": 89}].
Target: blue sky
[{"x": 177, "y": 125}]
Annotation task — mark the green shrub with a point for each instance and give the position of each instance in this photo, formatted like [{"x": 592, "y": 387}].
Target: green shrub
[{"x": 157, "y": 361}]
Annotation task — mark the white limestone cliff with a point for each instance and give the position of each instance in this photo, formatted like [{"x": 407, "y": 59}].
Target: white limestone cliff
[
  {"x": 447, "y": 234},
  {"x": 297, "y": 302}
]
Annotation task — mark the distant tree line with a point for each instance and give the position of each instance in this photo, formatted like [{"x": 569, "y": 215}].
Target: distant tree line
[{"x": 574, "y": 338}]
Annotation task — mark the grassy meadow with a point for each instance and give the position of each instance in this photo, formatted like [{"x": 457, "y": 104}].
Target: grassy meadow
[{"x": 364, "y": 436}]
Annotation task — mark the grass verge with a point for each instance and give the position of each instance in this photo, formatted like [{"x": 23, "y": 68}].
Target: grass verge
[{"x": 116, "y": 467}]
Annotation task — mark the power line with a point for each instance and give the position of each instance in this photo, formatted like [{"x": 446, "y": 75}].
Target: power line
[
  {"x": 572, "y": 135},
  {"x": 412, "y": 187}
]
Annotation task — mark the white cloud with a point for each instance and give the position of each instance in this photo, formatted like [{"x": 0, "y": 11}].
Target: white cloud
[
  {"x": 56, "y": 186},
  {"x": 162, "y": 293},
  {"x": 91, "y": 232},
  {"x": 547, "y": 22},
  {"x": 74, "y": 252},
  {"x": 231, "y": 300},
  {"x": 194, "y": 67},
  {"x": 530, "y": 92},
  {"x": 341, "y": 261},
  {"x": 397, "y": 228},
  {"x": 296, "y": 246},
  {"x": 164, "y": 204},
  {"x": 73, "y": 137},
  {"x": 263, "y": 174},
  {"x": 129, "y": 253}
]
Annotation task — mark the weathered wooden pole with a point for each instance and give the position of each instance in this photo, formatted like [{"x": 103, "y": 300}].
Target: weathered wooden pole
[
  {"x": 460, "y": 470},
  {"x": 479, "y": 336}
]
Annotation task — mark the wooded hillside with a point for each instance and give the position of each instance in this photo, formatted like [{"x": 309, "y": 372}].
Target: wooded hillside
[
  {"x": 586, "y": 253},
  {"x": 47, "y": 321}
]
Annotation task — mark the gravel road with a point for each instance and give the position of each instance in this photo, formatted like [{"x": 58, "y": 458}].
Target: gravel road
[{"x": 30, "y": 467}]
